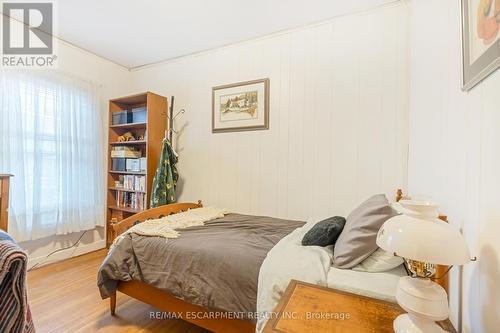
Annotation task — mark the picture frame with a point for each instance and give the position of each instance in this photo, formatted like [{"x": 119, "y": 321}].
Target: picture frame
[
  {"x": 480, "y": 30},
  {"x": 242, "y": 106}
]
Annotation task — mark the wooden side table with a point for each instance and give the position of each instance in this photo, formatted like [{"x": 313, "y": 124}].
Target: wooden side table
[
  {"x": 4, "y": 201},
  {"x": 310, "y": 308}
]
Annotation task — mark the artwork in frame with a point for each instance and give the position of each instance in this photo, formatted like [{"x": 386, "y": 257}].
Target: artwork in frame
[
  {"x": 480, "y": 40},
  {"x": 242, "y": 106}
]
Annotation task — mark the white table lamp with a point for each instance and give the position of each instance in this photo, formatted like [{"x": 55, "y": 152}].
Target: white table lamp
[{"x": 421, "y": 238}]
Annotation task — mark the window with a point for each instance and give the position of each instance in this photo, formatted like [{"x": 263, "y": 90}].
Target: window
[{"x": 51, "y": 140}]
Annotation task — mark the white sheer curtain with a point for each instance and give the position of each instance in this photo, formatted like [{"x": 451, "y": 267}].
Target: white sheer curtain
[{"x": 51, "y": 139}]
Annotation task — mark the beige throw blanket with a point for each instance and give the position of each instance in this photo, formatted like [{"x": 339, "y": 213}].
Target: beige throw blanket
[{"x": 167, "y": 227}]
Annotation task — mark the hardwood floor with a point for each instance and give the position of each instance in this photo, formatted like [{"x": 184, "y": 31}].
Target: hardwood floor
[{"x": 64, "y": 298}]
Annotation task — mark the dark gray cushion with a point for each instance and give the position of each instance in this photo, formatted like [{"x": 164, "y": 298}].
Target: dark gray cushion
[
  {"x": 358, "y": 239},
  {"x": 324, "y": 233}
]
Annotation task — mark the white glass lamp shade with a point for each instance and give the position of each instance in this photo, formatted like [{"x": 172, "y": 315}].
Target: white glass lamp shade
[
  {"x": 428, "y": 240},
  {"x": 420, "y": 209}
]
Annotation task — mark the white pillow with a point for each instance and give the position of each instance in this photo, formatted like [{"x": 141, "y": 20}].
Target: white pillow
[{"x": 379, "y": 261}]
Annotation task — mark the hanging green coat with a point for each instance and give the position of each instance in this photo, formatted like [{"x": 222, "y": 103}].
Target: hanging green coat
[{"x": 165, "y": 180}]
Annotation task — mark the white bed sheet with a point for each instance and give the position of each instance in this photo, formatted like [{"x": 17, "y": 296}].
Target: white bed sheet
[
  {"x": 375, "y": 285},
  {"x": 290, "y": 260}
]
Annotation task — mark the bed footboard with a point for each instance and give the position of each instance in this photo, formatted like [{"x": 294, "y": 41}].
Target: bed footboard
[{"x": 152, "y": 213}]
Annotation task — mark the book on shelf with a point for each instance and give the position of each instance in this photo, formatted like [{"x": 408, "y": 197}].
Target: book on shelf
[
  {"x": 136, "y": 201},
  {"x": 135, "y": 183}
]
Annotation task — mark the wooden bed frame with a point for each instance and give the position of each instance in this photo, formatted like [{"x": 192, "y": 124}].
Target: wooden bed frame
[{"x": 164, "y": 301}]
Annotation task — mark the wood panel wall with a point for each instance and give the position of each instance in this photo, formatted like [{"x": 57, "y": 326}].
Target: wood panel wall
[
  {"x": 338, "y": 117},
  {"x": 460, "y": 133}
]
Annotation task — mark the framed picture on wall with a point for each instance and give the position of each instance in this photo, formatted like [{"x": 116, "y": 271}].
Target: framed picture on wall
[
  {"x": 242, "y": 106},
  {"x": 480, "y": 40}
]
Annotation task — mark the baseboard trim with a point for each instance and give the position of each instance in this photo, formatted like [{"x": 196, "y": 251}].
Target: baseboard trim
[{"x": 66, "y": 254}]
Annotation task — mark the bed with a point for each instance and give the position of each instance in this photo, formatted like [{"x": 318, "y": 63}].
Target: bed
[{"x": 175, "y": 276}]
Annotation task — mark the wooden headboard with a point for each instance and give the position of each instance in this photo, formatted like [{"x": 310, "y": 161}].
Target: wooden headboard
[
  {"x": 441, "y": 277},
  {"x": 152, "y": 213}
]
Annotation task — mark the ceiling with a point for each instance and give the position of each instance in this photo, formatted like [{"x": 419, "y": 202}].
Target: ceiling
[{"x": 134, "y": 33}]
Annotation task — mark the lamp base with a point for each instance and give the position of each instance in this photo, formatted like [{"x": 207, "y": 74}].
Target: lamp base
[{"x": 410, "y": 323}]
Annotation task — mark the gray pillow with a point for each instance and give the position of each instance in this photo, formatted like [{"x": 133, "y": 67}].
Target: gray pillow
[
  {"x": 358, "y": 239},
  {"x": 324, "y": 233}
]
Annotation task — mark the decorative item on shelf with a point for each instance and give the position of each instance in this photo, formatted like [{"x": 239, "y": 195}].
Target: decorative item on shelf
[
  {"x": 139, "y": 115},
  {"x": 242, "y": 106},
  {"x": 418, "y": 236},
  {"x": 118, "y": 164},
  {"x": 121, "y": 117},
  {"x": 128, "y": 136}
]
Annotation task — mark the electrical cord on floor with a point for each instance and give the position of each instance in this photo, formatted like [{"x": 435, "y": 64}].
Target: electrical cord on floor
[{"x": 53, "y": 252}]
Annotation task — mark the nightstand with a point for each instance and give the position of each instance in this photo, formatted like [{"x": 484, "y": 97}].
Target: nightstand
[{"x": 310, "y": 308}]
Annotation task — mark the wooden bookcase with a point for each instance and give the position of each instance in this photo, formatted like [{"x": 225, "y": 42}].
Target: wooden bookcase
[{"x": 153, "y": 130}]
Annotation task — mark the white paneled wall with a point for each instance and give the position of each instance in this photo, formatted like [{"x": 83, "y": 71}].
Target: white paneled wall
[
  {"x": 338, "y": 117},
  {"x": 454, "y": 156}
]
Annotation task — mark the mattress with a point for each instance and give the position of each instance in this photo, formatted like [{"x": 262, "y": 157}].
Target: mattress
[
  {"x": 313, "y": 264},
  {"x": 375, "y": 285},
  {"x": 215, "y": 266}
]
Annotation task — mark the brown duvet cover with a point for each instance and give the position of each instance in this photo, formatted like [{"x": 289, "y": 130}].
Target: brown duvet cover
[{"x": 215, "y": 266}]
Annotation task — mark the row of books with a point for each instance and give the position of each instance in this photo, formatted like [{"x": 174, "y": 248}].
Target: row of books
[
  {"x": 131, "y": 200},
  {"x": 136, "y": 183}
]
